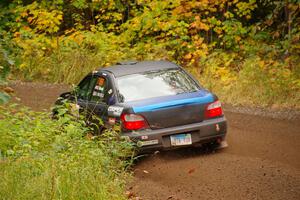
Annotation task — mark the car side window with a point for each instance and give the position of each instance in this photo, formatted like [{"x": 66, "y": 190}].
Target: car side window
[
  {"x": 102, "y": 91},
  {"x": 83, "y": 88},
  {"x": 99, "y": 90}
]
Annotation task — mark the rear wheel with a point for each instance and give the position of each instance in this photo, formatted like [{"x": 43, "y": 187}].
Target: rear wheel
[{"x": 219, "y": 143}]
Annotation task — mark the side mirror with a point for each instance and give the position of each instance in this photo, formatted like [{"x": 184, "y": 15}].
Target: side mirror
[{"x": 67, "y": 95}]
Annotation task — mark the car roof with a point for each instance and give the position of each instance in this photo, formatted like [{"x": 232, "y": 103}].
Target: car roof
[{"x": 134, "y": 67}]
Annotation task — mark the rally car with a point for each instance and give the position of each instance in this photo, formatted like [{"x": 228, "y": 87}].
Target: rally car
[{"x": 157, "y": 104}]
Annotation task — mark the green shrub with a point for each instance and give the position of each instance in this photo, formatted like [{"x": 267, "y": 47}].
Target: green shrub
[
  {"x": 43, "y": 158},
  {"x": 251, "y": 80}
]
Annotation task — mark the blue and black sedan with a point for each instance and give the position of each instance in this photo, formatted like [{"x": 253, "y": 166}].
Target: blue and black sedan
[{"x": 157, "y": 103}]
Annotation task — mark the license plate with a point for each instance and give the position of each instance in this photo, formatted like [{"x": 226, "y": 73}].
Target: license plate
[{"x": 181, "y": 139}]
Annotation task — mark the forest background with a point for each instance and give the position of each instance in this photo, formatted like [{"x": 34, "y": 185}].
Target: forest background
[{"x": 246, "y": 51}]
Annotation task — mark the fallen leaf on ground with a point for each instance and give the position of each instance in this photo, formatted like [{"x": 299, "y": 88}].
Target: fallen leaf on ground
[
  {"x": 129, "y": 194},
  {"x": 191, "y": 170},
  {"x": 8, "y": 90}
]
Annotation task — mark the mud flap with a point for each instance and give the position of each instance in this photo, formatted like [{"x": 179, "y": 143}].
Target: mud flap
[{"x": 223, "y": 144}]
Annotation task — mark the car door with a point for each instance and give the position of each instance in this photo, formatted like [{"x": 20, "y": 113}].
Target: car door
[
  {"x": 83, "y": 93},
  {"x": 101, "y": 96}
]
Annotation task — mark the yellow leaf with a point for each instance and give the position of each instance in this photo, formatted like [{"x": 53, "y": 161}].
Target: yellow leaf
[
  {"x": 188, "y": 56},
  {"x": 24, "y": 14}
]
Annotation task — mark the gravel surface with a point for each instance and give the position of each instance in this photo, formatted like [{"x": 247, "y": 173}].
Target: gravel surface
[
  {"x": 261, "y": 162},
  {"x": 276, "y": 113}
]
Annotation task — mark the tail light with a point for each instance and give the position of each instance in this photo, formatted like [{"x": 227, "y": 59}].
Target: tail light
[
  {"x": 213, "y": 110},
  {"x": 133, "y": 122}
]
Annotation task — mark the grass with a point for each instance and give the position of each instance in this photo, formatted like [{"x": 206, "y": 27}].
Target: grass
[{"x": 43, "y": 158}]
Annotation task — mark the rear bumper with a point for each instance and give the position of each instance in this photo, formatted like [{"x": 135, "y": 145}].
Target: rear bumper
[{"x": 202, "y": 132}]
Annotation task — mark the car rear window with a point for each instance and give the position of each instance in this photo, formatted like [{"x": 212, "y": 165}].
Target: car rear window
[{"x": 155, "y": 84}]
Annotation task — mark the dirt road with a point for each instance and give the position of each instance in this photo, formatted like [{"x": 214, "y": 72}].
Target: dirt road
[{"x": 261, "y": 162}]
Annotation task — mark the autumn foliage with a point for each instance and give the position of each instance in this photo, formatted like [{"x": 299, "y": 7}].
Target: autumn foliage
[{"x": 247, "y": 51}]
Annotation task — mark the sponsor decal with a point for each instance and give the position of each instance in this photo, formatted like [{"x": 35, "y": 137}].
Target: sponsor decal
[
  {"x": 146, "y": 143},
  {"x": 101, "y": 81},
  {"x": 98, "y": 94},
  {"x": 97, "y": 87},
  {"x": 144, "y": 137},
  {"x": 115, "y": 110}
]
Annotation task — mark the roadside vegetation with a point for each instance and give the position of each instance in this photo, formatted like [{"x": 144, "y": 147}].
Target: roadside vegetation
[{"x": 41, "y": 158}]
